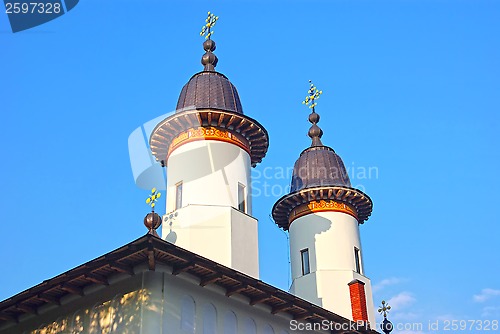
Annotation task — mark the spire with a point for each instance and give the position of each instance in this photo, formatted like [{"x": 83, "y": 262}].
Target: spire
[
  {"x": 315, "y": 131},
  {"x": 209, "y": 60}
]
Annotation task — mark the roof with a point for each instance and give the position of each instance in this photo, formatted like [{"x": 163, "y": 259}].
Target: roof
[
  {"x": 253, "y": 134},
  {"x": 209, "y": 90},
  {"x": 210, "y": 101},
  {"x": 358, "y": 200},
  {"x": 152, "y": 250},
  {"x": 319, "y": 175},
  {"x": 319, "y": 166}
]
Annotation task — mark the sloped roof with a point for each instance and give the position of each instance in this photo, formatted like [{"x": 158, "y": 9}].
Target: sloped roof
[{"x": 152, "y": 250}]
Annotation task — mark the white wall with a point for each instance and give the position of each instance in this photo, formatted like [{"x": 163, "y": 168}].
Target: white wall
[
  {"x": 246, "y": 315},
  {"x": 220, "y": 233},
  {"x": 330, "y": 238},
  {"x": 208, "y": 223},
  {"x": 104, "y": 309},
  {"x": 154, "y": 306},
  {"x": 210, "y": 172}
]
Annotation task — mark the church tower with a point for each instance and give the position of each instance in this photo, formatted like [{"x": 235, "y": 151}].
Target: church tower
[
  {"x": 208, "y": 146},
  {"x": 322, "y": 213}
]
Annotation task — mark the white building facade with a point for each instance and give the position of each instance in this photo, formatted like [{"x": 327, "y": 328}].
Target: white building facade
[
  {"x": 152, "y": 286},
  {"x": 201, "y": 276}
]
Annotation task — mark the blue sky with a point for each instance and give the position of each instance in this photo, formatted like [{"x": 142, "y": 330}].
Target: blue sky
[{"x": 411, "y": 89}]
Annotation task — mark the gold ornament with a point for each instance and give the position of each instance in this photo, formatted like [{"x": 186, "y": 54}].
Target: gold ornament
[
  {"x": 313, "y": 96},
  {"x": 151, "y": 200},
  {"x": 210, "y": 23}
]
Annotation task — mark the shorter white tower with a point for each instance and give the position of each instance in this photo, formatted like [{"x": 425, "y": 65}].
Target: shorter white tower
[
  {"x": 322, "y": 214},
  {"x": 209, "y": 146}
]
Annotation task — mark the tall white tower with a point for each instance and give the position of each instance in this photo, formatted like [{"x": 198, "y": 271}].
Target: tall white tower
[
  {"x": 209, "y": 146},
  {"x": 322, "y": 213}
]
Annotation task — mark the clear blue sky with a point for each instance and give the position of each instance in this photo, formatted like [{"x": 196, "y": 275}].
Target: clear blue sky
[{"x": 411, "y": 88}]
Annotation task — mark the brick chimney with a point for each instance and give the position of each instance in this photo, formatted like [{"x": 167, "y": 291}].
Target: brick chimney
[{"x": 358, "y": 300}]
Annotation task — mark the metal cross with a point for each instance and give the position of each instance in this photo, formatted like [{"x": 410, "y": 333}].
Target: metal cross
[
  {"x": 384, "y": 309},
  {"x": 151, "y": 200},
  {"x": 210, "y": 23},
  {"x": 314, "y": 95}
]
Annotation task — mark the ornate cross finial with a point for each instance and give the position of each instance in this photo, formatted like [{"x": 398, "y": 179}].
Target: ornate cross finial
[
  {"x": 151, "y": 200},
  {"x": 315, "y": 131},
  {"x": 210, "y": 23},
  {"x": 314, "y": 95},
  {"x": 384, "y": 309}
]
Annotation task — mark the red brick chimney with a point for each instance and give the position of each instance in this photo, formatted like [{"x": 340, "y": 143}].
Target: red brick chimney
[{"x": 358, "y": 300}]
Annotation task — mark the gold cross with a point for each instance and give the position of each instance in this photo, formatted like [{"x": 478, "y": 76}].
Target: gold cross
[
  {"x": 210, "y": 23},
  {"x": 151, "y": 200},
  {"x": 384, "y": 308},
  {"x": 314, "y": 95}
]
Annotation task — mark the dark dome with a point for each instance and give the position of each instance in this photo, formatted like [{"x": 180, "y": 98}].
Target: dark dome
[
  {"x": 212, "y": 90},
  {"x": 319, "y": 166}
]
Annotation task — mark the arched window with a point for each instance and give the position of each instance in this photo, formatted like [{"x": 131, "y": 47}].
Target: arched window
[
  {"x": 78, "y": 321},
  {"x": 100, "y": 318},
  {"x": 188, "y": 311},
  {"x": 230, "y": 323},
  {"x": 268, "y": 330},
  {"x": 209, "y": 319},
  {"x": 250, "y": 327}
]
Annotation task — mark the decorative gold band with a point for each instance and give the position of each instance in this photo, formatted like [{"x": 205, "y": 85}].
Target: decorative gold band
[
  {"x": 208, "y": 133},
  {"x": 321, "y": 206}
]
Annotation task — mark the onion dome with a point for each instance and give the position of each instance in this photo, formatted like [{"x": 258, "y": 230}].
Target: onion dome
[
  {"x": 319, "y": 181},
  {"x": 209, "y": 108},
  {"x": 318, "y": 165},
  {"x": 209, "y": 89}
]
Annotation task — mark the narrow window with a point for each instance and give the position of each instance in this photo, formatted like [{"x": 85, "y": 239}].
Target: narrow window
[
  {"x": 178, "y": 196},
  {"x": 242, "y": 203},
  {"x": 304, "y": 255},
  {"x": 230, "y": 323},
  {"x": 187, "y": 314},
  {"x": 250, "y": 327},
  {"x": 209, "y": 319},
  {"x": 357, "y": 259}
]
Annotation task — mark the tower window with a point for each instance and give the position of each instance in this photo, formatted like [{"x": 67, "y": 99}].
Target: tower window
[
  {"x": 242, "y": 202},
  {"x": 178, "y": 196},
  {"x": 304, "y": 255},
  {"x": 357, "y": 259}
]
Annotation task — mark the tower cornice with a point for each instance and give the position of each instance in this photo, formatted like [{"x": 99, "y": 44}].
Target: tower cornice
[
  {"x": 243, "y": 130},
  {"x": 357, "y": 204}
]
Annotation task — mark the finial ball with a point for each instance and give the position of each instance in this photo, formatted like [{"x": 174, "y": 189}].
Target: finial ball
[
  {"x": 314, "y": 117},
  {"x": 152, "y": 221},
  {"x": 209, "y": 59},
  {"x": 209, "y": 45},
  {"x": 315, "y": 131}
]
